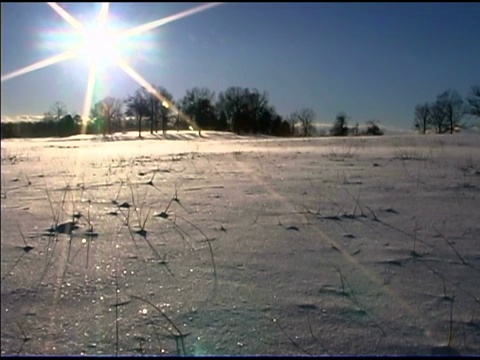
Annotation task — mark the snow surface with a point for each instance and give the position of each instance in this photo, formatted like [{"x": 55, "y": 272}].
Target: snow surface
[{"x": 267, "y": 246}]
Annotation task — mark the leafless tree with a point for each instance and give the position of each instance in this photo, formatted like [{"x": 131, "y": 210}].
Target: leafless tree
[
  {"x": 137, "y": 106},
  {"x": 305, "y": 119},
  {"x": 197, "y": 104},
  {"x": 453, "y": 107},
  {"x": 105, "y": 112},
  {"x": 112, "y": 109},
  {"x": 232, "y": 103},
  {"x": 159, "y": 104},
  {"x": 57, "y": 110},
  {"x": 438, "y": 117},
  {"x": 154, "y": 113},
  {"x": 422, "y": 118},
  {"x": 255, "y": 106}
]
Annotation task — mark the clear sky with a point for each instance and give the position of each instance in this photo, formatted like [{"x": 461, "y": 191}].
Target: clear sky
[{"x": 371, "y": 60}]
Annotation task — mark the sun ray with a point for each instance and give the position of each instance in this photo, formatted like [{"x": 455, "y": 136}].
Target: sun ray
[
  {"x": 154, "y": 24},
  {"x": 103, "y": 15},
  {"x": 139, "y": 79},
  {"x": 41, "y": 64},
  {"x": 66, "y": 16},
  {"x": 87, "y": 104},
  {"x": 142, "y": 82}
]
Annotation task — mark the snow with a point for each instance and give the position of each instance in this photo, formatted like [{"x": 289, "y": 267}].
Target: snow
[{"x": 324, "y": 246}]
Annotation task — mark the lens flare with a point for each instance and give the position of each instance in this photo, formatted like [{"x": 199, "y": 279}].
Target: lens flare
[
  {"x": 41, "y": 64},
  {"x": 66, "y": 16},
  {"x": 154, "y": 24}
]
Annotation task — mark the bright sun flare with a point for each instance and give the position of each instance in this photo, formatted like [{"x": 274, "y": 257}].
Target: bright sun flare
[{"x": 102, "y": 46}]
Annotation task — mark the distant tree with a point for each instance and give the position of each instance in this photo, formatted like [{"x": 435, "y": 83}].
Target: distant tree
[
  {"x": 292, "y": 123},
  {"x": 422, "y": 118},
  {"x": 106, "y": 112},
  {"x": 280, "y": 127},
  {"x": 232, "y": 103},
  {"x": 137, "y": 106},
  {"x": 205, "y": 116},
  {"x": 340, "y": 127},
  {"x": 355, "y": 129},
  {"x": 78, "y": 122},
  {"x": 222, "y": 122},
  {"x": 153, "y": 105},
  {"x": 166, "y": 114},
  {"x": 48, "y": 117},
  {"x": 285, "y": 129},
  {"x": 58, "y": 110},
  {"x": 98, "y": 118},
  {"x": 160, "y": 107},
  {"x": 438, "y": 117},
  {"x": 276, "y": 126},
  {"x": 265, "y": 122},
  {"x": 66, "y": 126},
  {"x": 112, "y": 109},
  {"x": 255, "y": 107},
  {"x": 473, "y": 101},
  {"x": 453, "y": 107},
  {"x": 305, "y": 119},
  {"x": 373, "y": 128},
  {"x": 197, "y": 104}
]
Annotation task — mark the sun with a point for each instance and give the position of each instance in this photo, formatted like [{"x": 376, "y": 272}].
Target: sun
[
  {"x": 101, "y": 46},
  {"x": 97, "y": 42}
]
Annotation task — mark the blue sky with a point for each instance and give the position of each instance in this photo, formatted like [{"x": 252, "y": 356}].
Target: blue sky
[{"x": 370, "y": 60}]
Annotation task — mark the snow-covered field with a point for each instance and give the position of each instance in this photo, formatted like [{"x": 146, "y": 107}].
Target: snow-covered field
[{"x": 237, "y": 245}]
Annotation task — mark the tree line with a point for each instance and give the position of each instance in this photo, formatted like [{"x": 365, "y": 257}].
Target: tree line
[
  {"x": 237, "y": 109},
  {"x": 448, "y": 113}
]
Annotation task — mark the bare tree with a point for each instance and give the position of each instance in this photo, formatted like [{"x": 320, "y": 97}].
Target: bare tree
[
  {"x": 453, "y": 107},
  {"x": 137, "y": 106},
  {"x": 153, "y": 104},
  {"x": 232, "y": 103},
  {"x": 197, "y": 104},
  {"x": 105, "y": 112},
  {"x": 159, "y": 104},
  {"x": 112, "y": 109},
  {"x": 438, "y": 117},
  {"x": 165, "y": 108},
  {"x": 422, "y": 119},
  {"x": 58, "y": 110},
  {"x": 255, "y": 106},
  {"x": 305, "y": 119}
]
